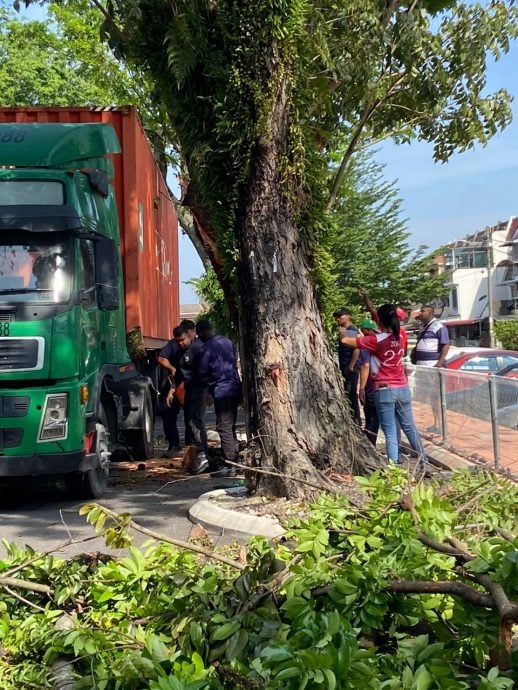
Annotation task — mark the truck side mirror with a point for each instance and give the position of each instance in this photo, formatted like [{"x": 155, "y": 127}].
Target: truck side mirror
[{"x": 106, "y": 274}]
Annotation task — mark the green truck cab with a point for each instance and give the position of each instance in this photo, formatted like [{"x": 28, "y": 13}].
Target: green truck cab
[{"x": 69, "y": 393}]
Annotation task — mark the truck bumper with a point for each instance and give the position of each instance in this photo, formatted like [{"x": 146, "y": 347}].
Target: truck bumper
[{"x": 54, "y": 463}]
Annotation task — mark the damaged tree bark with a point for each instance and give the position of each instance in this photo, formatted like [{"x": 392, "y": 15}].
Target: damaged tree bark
[{"x": 297, "y": 402}]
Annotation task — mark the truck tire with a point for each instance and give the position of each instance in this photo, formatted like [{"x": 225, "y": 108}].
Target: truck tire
[
  {"x": 94, "y": 482},
  {"x": 142, "y": 441}
]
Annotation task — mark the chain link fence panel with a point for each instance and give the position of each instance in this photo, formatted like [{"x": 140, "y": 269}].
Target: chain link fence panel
[{"x": 476, "y": 415}]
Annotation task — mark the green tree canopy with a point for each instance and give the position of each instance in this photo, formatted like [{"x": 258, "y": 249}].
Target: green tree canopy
[
  {"x": 367, "y": 240},
  {"x": 60, "y": 61}
]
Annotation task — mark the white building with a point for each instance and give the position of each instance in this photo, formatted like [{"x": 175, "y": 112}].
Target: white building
[{"x": 483, "y": 282}]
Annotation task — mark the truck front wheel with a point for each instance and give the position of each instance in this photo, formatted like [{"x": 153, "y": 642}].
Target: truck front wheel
[
  {"x": 93, "y": 483},
  {"x": 142, "y": 441}
]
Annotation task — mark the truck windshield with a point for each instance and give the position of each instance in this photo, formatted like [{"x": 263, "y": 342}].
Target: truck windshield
[
  {"x": 46, "y": 192},
  {"x": 35, "y": 267}
]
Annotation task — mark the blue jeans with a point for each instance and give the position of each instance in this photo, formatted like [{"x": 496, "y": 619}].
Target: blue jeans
[{"x": 396, "y": 404}]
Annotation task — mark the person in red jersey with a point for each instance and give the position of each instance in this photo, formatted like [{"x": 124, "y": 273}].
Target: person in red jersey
[{"x": 392, "y": 394}]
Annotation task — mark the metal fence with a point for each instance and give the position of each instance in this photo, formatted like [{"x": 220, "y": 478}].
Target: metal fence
[{"x": 475, "y": 415}]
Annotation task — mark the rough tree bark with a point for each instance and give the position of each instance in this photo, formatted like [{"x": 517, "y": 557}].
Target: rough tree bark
[{"x": 293, "y": 386}]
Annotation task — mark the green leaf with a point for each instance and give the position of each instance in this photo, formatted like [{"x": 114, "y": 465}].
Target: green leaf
[
  {"x": 289, "y": 672},
  {"x": 237, "y": 644},
  {"x": 422, "y": 679},
  {"x": 330, "y": 678},
  {"x": 225, "y": 630}
]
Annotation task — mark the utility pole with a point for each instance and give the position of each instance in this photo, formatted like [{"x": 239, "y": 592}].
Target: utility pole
[{"x": 489, "y": 256}]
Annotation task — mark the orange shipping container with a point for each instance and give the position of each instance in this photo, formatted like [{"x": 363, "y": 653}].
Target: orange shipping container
[{"x": 147, "y": 218}]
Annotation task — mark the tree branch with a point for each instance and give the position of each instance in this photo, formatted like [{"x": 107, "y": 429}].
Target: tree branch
[
  {"x": 443, "y": 587},
  {"x": 39, "y": 556},
  {"x": 186, "y": 221},
  {"x": 117, "y": 30},
  {"x": 369, "y": 109},
  {"x": 25, "y": 584},
  {"x": 364, "y": 118},
  {"x": 330, "y": 488},
  {"x": 25, "y": 601},
  {"x": 169, "y": 540},
  {"x": 507, "y": 609}
]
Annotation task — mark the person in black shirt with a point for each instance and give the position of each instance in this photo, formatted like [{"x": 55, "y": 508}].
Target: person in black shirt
[
  {"x": 195, "y": 402},
  {"x": 171, "y": 397}
]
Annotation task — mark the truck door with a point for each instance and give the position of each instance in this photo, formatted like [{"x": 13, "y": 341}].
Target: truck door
[{"x": 89, "y": 315}]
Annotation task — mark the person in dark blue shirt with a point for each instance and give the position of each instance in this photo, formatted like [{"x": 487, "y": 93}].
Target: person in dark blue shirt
[
  {"x": 348, "y": 359},
  {"x": 218, "y": 367}
]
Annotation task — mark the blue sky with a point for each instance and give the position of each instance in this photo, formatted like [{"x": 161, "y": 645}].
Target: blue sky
[
  {"x": 474, "y": 189},
  {"x": 441, "y": 202}
]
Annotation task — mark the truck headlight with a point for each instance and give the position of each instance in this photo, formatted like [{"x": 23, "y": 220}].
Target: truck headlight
[{"x": 54, "y": 424}]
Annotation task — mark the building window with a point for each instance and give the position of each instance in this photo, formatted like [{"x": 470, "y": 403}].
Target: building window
[
  {"x": 454, "y": 301},
  {"x": 467, "y": 258}
]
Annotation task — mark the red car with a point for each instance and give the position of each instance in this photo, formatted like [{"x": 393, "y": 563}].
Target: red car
[{"x": 484, "y": 361}]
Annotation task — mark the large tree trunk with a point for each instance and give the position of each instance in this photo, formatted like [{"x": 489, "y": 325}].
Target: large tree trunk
[{"x": 292, "y": 384}]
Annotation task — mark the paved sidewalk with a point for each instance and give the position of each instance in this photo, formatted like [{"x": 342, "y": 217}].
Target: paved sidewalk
[{"x": 471, "y": 438}]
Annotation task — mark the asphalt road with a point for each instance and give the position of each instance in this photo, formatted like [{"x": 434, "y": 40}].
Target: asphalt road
[{"x": 157, "y": 496}]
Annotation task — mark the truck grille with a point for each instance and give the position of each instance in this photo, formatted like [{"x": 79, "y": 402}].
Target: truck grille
[
  {"x": 21, "y": 354},
  {"x": 14, "y": 406},
  {"x": 10, "y": 438},
  {"x": 6, "y": 316}
]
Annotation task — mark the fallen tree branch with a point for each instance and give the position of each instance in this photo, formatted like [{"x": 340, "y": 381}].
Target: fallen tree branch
[
  {"x": 259, "y": 470},
  {"x": 331, "y": 488},
  {"x": 474, "y": 500},
  {"x": 459, "y": 589},
  {"x": 39, "y": 556},
  {"x": 25, "y": 584},
  {"x": 25, "y": 601},
  {"x": 505, "y": 534},
  {"x": 443, "y": 548},
  {"x": 508, "y": 610},
  {"x": 170, "y": 540}
]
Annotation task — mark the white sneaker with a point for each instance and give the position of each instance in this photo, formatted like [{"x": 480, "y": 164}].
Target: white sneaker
[{"x": 202, "y": 464}]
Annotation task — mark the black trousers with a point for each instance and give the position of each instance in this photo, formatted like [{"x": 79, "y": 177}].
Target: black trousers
[
  {"x": 194, "y": 409},
  {"x": 226, "y": 413},
  {"x": 169, "y": 416},
  {"x": 351, "y": 389},
  {"x": 372, "y": 423}
]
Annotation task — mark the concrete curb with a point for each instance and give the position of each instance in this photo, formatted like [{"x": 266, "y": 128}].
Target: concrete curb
[
  {"x": 445, "y": 458},
  {"x": 209, "y": 514}
]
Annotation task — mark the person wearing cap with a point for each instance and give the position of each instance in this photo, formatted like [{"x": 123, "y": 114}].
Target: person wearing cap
[
  {"x": 348, "y": 360},
  {"x": 367, "y": 388}
]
